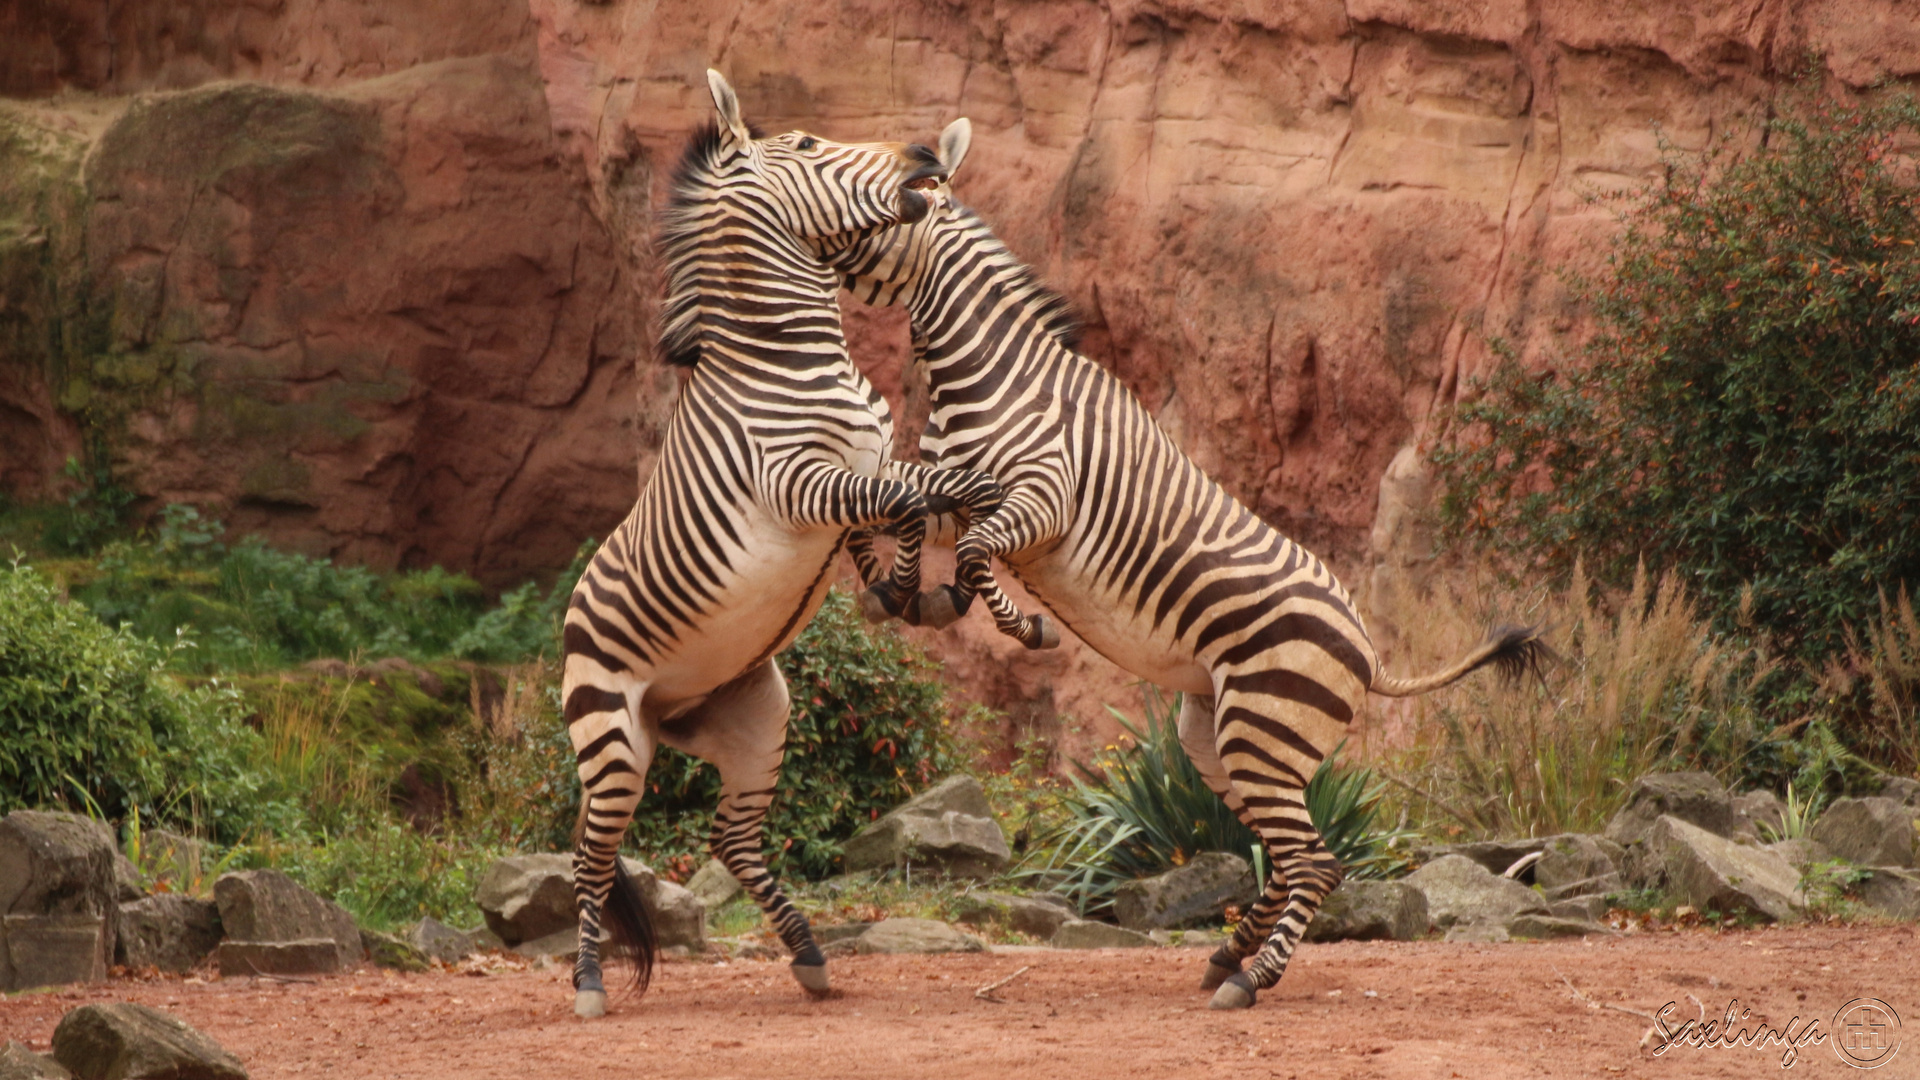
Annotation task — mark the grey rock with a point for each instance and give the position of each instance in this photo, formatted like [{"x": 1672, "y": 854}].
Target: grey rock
[
  {"x": 439, "y": 941},
  {"x": 1482, "y": 933},
  {"x": 1714, "y": 873},
  {"x": 915, "y": 936},
  {"x": 1459, "y": 890},
  {"x": 124, "y": 1041},
  {"x": 1552, "y": 926},
  {"x": 1605, "y": 883},
  {"x": 1186, "y": 894},
  {"x": 525, "y": 897},
  {"x": 827, "y": 935},
  {"x": 1572, "y": 859},
  {"x": 1903, "y": 790},
  {"x": 314, "y": 956},
  {"x": 679, "y": 918},
  {"x": 267, "y": 906},
  {"x": 1590, "y": 908},
  {"x": 484, "y": 939},
  {"x": 59, "y": 896},
  {"x": 1087, "y": 934},
  {"x": 388, "y": 951},
  {"x": 128, "y": 883},
  {"x": 714, "y": 885},
  {"x": 1031, "y": 916},
  {"x": 1693, "y": 797},
  {"x": 1371, "y": 911},
  {"x": 1874, "y": 831},
  {"x": 167, "y": 931},
  {"x": 1800, "y": 852},
  {"x": 947, "y": 829},
  {"x": 559, "y": 945},
  {"x": 19, "y": 1063},
  {"x": 1892, "y": 891},
  {"x": 1495, "y": 855},
  {"x": 1758, "y": 814}
]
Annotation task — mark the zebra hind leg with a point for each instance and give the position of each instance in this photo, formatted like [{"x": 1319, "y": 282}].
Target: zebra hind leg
[
  {"x": 1311, "y": 872},
  {"x": 975, "y": 573},
  {"x": 612, "y": 752}
]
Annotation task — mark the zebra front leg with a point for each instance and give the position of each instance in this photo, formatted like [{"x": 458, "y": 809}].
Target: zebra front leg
[
  {"x": 966, "y": 493},
  {"x": 612, "y": 751},
  {"x": 742, "y": 729}
]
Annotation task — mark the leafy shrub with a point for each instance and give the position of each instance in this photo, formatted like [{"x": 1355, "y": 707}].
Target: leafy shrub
[
  {"x": 1144, "y": 810},
  {"x": 383, "y": 872},
  {"x": 89, "y": 720},
  {"x": 1749, "y": 413}
]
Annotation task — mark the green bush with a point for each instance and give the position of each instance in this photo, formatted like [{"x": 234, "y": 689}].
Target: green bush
[
  {"x": 89, "y": 720},
  {"x": 1145, "y": 810},
  {"x": 383, "y": 872},
  {"x": 1749, "y": 412}
]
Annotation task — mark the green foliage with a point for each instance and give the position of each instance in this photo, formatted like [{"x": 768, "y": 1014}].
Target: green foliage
[
  {"x": 383, "y": 872},
  {"x": 90, "y": 720},
  {"x": 1144, "y": 810},
  {"x": 1797, "y": 816},
  {"x": 869, "y": 729},
  {"x": 1831, "y": 889},
  {"x": 1749, "y": 413}
]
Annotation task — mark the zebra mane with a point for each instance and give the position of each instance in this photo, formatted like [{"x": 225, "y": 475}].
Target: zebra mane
[
  {"x": 679, "y": 231},
  {"x": 1056, "y": 315}
]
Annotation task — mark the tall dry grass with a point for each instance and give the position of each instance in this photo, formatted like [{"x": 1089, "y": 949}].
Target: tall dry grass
[{"x": 1642, "y": 685}]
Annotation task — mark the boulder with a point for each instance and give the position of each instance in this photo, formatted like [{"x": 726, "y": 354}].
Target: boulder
[
  {"x": 1593, "y": 886},
  {"x": 128, "y": 883},
  {"x": 1800, "y": 852},
  {"x": 1758, "y": 814},
  {"x": 530, "y": 897},
  {"x": 1032, "y": 916},
  {"x": 312, "y": 956},
  {"x": 1892, "y": 891},
  {"x": 1459, "y": 890},
  {"x": 1371, "y": 911},
  {"x": 388, "y": 951},
  {"x": 267, "y": 907},
  {"x": 58, "y": 899},
  {"x": 19, "y": 1063},
  {"x": 1902, "y": 789},
  {"x": 438, "y": 941},
  {"x": 1591, "y": 907},
  {"x": 679, "y": 918},
  {"x": 1693, "y": 797},
  {"x": 714, "y": 885},
  {"x": 1875, "y": 831},
  {"x": 1087, "y": 934},
  {"x": 559, "y": 945},
  {"x": 1577, "y": 861},
  {"x": 1186, "y": 894},
  {"x": 915, "y": 936},
  {"x": 1496, "y": 855},
  {"x": 947, "y": 829},
  {"x": 168, "y": 931},
  {"x": 827, "y": 935},
  {"x": 1711, "y": 872},
  {"x": 124, "y": 1041},
  {"x": 1552, "y": 926}
]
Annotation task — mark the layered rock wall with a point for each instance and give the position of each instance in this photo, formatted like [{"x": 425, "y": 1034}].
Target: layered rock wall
[{"x": 375, "y": 277}]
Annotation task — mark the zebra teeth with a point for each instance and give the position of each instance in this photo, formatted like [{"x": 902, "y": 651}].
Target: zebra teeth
[{"x": 925, "y": 183}]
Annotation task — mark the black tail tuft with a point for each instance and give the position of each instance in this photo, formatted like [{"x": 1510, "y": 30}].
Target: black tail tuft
[
  {"x": 1520, "y": 651},
  {"x": 628, "y": 927}
]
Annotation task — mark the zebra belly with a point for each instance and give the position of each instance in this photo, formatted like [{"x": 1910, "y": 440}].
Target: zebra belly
[{"x": 1108, "y": 624}]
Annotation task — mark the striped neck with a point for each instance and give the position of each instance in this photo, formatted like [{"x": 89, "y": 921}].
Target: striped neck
[{"x": 977, "y": 309}]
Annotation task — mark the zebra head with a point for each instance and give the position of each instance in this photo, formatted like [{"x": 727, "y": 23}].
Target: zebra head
[{"x": 885, "y": 266}]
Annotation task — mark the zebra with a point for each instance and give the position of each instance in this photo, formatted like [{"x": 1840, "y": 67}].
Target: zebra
[
  {"x": 776, "y": 449},
  {"x": 1137, "y": 550}
]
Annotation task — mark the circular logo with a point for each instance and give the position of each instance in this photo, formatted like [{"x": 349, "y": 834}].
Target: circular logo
[{"x": 1866, "y": 1033}]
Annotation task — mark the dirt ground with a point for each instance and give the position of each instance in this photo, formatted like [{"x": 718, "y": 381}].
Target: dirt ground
[{"x": 1381, "y": 1009}]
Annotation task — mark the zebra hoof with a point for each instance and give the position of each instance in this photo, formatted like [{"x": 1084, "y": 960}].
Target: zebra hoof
[
  {"x": 1048, "y": 635},
  {"x": 874, "y": 607},
  {"x": 1235, "y": 993},
  {"x": 812, "y": 978},
  {"x": 937, "y": 608},
  {"x": 1217, "y": 973},
  {"x": 590, "y": 1004}
]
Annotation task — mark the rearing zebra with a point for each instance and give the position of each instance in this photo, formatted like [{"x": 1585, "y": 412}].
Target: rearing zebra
[
  {"x": 1142, "y": 554},
  {"x": 776, "y": 449}
]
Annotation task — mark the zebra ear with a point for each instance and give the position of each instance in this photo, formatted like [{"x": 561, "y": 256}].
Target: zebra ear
[
  {"x": 954, "y": 143},
  {"x": 727, "y": 103}
]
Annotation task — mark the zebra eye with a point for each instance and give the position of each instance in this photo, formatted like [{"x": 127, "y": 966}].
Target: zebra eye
[{"x": 807, "y": 142}]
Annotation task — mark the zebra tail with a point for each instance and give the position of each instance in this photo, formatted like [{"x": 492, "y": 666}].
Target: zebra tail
[
  {"x": 628, "y": 926},
  {"x": 1516, "y": 651}
]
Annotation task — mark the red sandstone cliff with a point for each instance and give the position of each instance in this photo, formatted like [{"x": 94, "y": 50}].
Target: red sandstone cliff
[{"x": 385, "y": 296}]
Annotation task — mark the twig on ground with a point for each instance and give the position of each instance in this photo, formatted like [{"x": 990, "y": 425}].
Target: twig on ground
[{"x": 985, "y": 993}]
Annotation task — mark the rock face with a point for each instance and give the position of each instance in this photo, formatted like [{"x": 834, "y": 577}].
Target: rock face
[
  {"x": 169, "y": 931},
  {"x": 1185, "y": 894},
  {"x": 528, "y": 898},
  {"x": 1371, "y": 911},
  {"x": 1712, "y": 872},
  {"x": 915, "y": 936},
  {"x": 1459, "y": 890},
  {"x": 270, "y": 918},
  {"x": 58, "y": 899},
  {"x": 109, "y": 1042},
  {"x": 947, "y": 829},
  {"x": 1875, "y": 831},
  {"x": 1693, "y": 797}
]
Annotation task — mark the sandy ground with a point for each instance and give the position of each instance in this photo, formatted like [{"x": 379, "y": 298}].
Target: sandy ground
[{"x": 1413, "y": 1010}]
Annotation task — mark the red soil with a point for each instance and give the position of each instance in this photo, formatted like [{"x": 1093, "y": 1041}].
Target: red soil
[{"x": 1482, "y": 1012}]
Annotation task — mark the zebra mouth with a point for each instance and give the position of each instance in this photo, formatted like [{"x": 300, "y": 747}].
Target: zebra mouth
[{"x": 925, "y": 183}]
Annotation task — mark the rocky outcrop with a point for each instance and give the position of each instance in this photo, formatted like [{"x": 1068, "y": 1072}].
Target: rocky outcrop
[
  {"x": 1875, "y": 831},
  {"x": 1693, "y": 797},
  {"x": 1186, "y": 894},
  {"x": 1461, "y": 891},
  {"x": 1371, "y": 911},
  {"x": 947, "y": 829},
  {"x": 109, "y": 1042},
  {"x": 1713, "y": 873},
  {"x": 170, "y": 932},
  {"x": 59, "y": 899}
]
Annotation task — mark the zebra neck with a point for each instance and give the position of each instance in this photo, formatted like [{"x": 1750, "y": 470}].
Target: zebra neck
[
  {"x": 992, "y": 326},
  {"x": 752, "y": 295}
]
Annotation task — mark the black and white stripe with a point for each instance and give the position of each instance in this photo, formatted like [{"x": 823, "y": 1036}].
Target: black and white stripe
[
  {"x": 1140, "y": 552},
  {"x": 777, "y": 448}
]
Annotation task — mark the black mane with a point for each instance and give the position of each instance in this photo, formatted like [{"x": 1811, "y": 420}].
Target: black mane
[
  {"x": 1055, "y": 313},
  {"x": 679, "y": 343}
]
